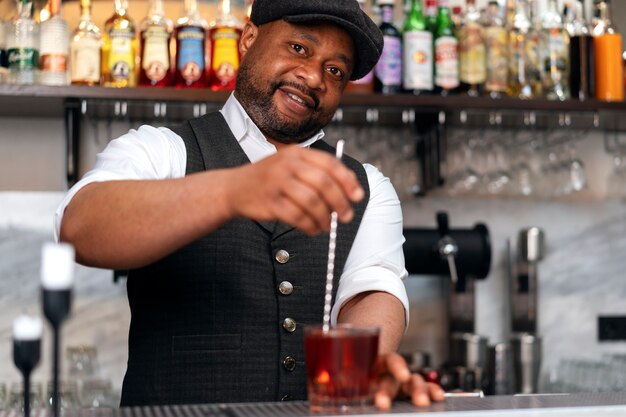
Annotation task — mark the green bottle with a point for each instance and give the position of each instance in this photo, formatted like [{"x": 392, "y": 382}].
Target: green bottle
[
  {"x": 446, "y": 52},
  {"x": 417, "y": 74}
]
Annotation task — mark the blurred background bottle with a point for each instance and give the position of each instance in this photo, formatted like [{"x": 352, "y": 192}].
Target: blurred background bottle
[
  {"x": 496, "y": 51},
  {"x": 388, "y": 70},
  {"x": 119, "y": 49},
  {"x": 365, "y": 84},
  {"x": 533, "y": 47},
  {"x": 430, "y": 12},
  {"x": 519, "y": 67},
  {"x": 55, "y": 48},
  {"x": 608, "y": 57},
  {"x": 4, "y": 63},
  {"x": 23, "y": 45},
  {"x": 224, "y": 36},
  {"x": 85, "y": 49},
  {"x": 446, "y": 52},
  {"x": 417, "y": 76},
  {"x": 472, "y": 52},
  {"x": 554, "y": 54},
  {"x": 154, "y": 51},
  {"x": 581, "y": 53},
  {"x": 190, "y": 35}
]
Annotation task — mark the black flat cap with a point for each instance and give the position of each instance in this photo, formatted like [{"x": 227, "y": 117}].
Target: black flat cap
[{"x": 367, "y": 37}]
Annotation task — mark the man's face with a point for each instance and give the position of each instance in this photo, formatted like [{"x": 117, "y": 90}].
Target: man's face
[{"x": 292, "y": 76}]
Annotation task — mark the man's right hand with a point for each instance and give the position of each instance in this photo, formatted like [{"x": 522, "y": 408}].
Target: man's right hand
[{"x": 300, "y": 187}]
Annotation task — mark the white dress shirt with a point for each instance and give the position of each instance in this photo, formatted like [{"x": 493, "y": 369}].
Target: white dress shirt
[{"x": 376, "y": 260}]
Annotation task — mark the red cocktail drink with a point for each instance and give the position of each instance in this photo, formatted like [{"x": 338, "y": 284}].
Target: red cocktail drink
[{"x": 340, "y": 367}]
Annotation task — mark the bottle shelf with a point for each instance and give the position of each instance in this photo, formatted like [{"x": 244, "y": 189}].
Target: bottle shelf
[{"x": 48, "y": 101}]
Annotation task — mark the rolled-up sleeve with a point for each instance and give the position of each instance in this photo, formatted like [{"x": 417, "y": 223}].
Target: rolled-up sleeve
[
  {"x": 142, "y": 154},
  {"x": 376, "y": 260}
]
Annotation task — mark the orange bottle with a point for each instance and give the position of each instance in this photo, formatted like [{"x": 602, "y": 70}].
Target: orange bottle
[{"x": 608, "y": 58}]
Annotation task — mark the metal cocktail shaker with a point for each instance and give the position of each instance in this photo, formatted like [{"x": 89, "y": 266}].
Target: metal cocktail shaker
[{"x": 527, "y": 362}]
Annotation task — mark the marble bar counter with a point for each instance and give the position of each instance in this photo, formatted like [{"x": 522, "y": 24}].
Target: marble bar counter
[{"x": 552, "y": 405}]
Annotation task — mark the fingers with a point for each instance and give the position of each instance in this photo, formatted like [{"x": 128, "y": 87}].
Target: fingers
[
  {"x": 396, "y": 380},
  {"x": 388, "y": 388},
  {"x": 335, "y": 184},
  {"x": 297, "y": 186}
]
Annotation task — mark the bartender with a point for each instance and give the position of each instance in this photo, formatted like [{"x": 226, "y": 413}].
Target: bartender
[{"x": 223, "y": 224}]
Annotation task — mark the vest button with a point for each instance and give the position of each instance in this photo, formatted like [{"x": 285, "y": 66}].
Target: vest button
[
  {"x": 289, "y": 363},
  {"x": 285, "y": 397},
  {"x": 289, "y": 324},
  {"x": 282, "y": 256},
  {"x": 285, "y": 288}
]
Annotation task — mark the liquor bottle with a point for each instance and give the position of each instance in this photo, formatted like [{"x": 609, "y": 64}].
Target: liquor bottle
[
  {"x": 54, "y": 48},
  {"x": 119, "y": 50},
  {"x": 190, "y": 34},
  {"x": 519, "y": 81},
  {"x": 431, "y": 15},
  {"x": 581, "y": 54},
  {"x": 417, "y": 61},
  {"x": 533, "y": 48},
  {"x": 155, "y": 35},
  {"x": 496, "y": 51},
  {"x": 250, "y": 2},
  {"x": 457, "y": 18},
  {"x": 4, "y": 62},
  {"x": 388, "y": 70},
  {"x": 608, "y": 57},
  {"x": 446, "y": 52},
  {"x": 224, "y": 36},
  {"x": 554, "y": 54},
  {"x": 365, "y": 84},
  {"x": 472, "y": 53},
  {"x": 23, "y": 45},
  {"x": 85, "y": 49}
]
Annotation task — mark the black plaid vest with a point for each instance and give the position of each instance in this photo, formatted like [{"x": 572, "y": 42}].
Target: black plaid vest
[{"x": 208, "y": 321}]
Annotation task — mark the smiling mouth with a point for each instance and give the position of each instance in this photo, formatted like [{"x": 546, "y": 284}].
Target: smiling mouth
[
  {"x": 298, "y": 99},
  {"x": 300, "y": 94}
]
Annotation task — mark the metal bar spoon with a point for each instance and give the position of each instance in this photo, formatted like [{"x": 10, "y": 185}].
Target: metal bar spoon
[{"x": 332, "y": 245}]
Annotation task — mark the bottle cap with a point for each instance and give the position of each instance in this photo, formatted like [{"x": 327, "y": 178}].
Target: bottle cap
[
  {"x": 57, "y": 266},
  {"x": 27, "y": 327}
]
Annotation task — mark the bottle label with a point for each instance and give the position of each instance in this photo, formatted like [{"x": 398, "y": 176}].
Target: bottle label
[
  {"x": 23, "y": 59},
  {"x": 497, "y": 59},
  {"x": 389, "y": 66},
  {"x": 418, "y": 60},
  {"x": 85, "y": 62},
  {"x": 121, "y": 60},
  {"x": 472, "y": 55},
  {"x": 555, "y": 59},
  {"x": 190, "y": 60},
  {"x": 53, "y": 63},
  {"x": 225, "y": 60},
  {"x": 446, "y": 62},
  {"x": 155, "y": 59}
]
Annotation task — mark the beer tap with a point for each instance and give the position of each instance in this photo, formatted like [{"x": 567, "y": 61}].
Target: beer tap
[{"x": 447, "y": 246}]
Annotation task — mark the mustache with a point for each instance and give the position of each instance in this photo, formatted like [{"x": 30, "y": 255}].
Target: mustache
[{"x": 302, "y": 88}]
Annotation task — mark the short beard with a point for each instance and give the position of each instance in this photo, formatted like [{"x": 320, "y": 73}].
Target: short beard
[{"x": 258, "y": 103}]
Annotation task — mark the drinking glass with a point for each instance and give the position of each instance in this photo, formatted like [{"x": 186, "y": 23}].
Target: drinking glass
[
  {"x": 16, "y": 396},
  {"x": 340, "y": 367},
  {"x": 82, "y": 361},
  {"x": 97, "y": 393},
  {"x": 68, "y": 397}
]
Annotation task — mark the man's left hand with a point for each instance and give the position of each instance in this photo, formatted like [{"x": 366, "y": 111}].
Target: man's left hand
[{"x": 395, "y": 380}]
